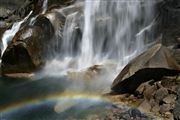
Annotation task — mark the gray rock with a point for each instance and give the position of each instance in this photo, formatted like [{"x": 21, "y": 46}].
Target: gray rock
[
  {"x": 160, "y": 94},
  {"x": 156, "y": 57},
  {"x": 176, "y": 110},
  {"x": 145, "y": 105},
  {"x": 165, "y": 108},
  {"x": 26, "y": 52},
  {"x": 170, "y": 99}
]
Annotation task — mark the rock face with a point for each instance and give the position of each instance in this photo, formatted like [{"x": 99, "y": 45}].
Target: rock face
[
  {"x": 156, "y": 57},
  {"x": 27, "y": 50},
  {"x": 169, "y": 21}
]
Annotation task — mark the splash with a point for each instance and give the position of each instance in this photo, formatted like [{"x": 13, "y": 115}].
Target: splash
[{"x": 9, "y": 34}]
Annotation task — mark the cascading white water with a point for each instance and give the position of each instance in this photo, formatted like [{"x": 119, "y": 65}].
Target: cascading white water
[
  {"x": 87, "y": 38},
  {"x": 45, "y": 6},
  {"x": 111, "y": 30},
  {"x": 9, "y": 34}
]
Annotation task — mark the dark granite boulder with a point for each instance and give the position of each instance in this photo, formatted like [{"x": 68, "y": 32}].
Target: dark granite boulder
[{"x": 27, "y": 51}]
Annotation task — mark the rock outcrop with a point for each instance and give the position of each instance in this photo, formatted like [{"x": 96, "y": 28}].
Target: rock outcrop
[
  {"x": 156, "y": 57},
  {"x": 27, "y": 51}
]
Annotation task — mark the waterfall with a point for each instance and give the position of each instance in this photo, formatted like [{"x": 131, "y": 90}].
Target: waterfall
[
  {"x": 9, "y": 34},
  {"x": 114, "y": 30},
  {"x": 44, "y": 9},
  {"x": 45, "y": 6},
  {"x": 102, "y": 32},
  {"x": 87, "y": 38}
]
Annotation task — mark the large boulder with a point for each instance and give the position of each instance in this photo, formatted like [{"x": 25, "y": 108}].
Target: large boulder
[
  {"x": 156, "y": 57},
  {"x": 27, "y": 51}
]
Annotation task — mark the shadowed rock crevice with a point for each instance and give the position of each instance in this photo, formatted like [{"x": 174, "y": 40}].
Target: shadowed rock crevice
[
  {"x": 129, "y": 85},
  {"x": 17, "y": 57}
]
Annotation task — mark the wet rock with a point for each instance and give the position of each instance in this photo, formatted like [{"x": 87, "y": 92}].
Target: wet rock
[
  {"x": 169, "y": 21},
  {"x": 145, "y": 105},
  {"x": 149, "y": 92},
  {"x": 169, "y": 115},
  {"x": 165, "y": 108},
  {"x": 176, "y": 55},
  {"x": 95, "y": 72},
  {"x": 61, "y": 19},
  {"x": 130, "y": 114},
  {"x": 26, "y": 52},
  {"x": 145, "y": 68},
  {"x": 170, "y": 99},
  {"x": 155, "y": 108},
  {"x": 176, "y": 110},
  {"x": 20, "y": 75},
  {"x": 58, "y": 21},
  {"x": 4, "y": 12},
  {"x": 160, "y": 94},
  {"x": 169, "y": 82},
  {"x": 141, "y": 88},
  {"x": 134, "y": 113},
  {"x": 130, "y": 84},
  {"x": 45, "y": 24},
  {"x": 25, "y": 8},
  {"x": 2, "y": 30},
  {"x": 156, "y": 57},
  {"x": 17, "y": 59}
]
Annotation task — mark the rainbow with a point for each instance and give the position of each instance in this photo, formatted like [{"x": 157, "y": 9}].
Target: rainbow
[{"x": 54, "y": 97}]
